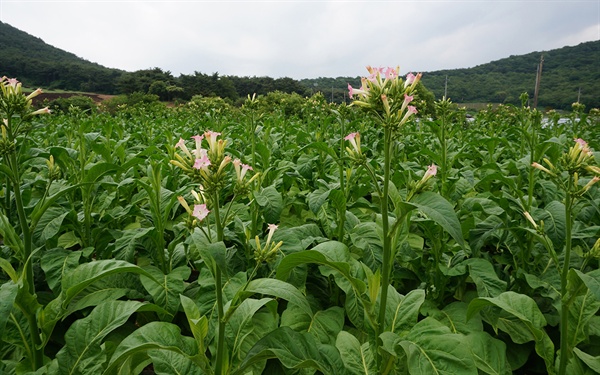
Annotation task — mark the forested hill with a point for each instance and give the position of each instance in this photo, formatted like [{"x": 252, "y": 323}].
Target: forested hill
[
  {"x": 567, "y": 73},
  {"x": 36, "y": 63}
]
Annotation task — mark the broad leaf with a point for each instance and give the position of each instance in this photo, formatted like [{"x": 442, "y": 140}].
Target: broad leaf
[
  {"x": 294, "y": 350},
  {"x": 357, "y": 358},
  {"x": 432, "y": 349},
  {"x": 153, "y": 336},
  {"x": 82, "y": 353},
  {"x": 438, "y": 209},
  {"x": 166, "y": 292}
]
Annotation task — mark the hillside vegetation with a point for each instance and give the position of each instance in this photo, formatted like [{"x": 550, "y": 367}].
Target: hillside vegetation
[{"x": 569, "y": 74}]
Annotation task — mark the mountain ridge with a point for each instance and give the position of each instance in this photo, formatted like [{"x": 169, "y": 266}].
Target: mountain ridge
[{"x": 569, "y": 73}]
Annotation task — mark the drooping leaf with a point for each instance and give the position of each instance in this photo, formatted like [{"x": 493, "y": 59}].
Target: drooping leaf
[
  {"x": 277, "y": 288},
  {"x": 592, "y": 362},
  {"x": 294, "y": 350},
  {"x": 166, "y": 292},
  {"x": 87, "y": 273},
  {"x": 520, "y": 317},
  {"x": 403, "y": 311},
  {"x": 271, "y": 203},
  {"x": 485, "y": 278},
  {"x": 431, "y": 348},
  {"x": 153, "y": 336},
  {"x": 438, "y": 209},
  {"x": 357, "y": 358},
  {"x": 489, "y": 353},
  {"x": 8, "y": 294},
  {"x": 56, "y": 263},
  {"x": 82, "y": 353}
]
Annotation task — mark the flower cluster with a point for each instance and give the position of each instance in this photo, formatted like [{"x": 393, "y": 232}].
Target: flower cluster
[
  {"x": 206, "y": 166},
  {"x": 268, "y": 252},
  {"x": 384, "y": 93},
  {"x": 14, "y": 101},
  {"x": 576, "y": 162},
  {"x": 355, "y": 152}
]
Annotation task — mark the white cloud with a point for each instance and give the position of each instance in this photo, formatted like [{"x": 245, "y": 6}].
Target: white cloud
[{"x": 302, "y": 39}]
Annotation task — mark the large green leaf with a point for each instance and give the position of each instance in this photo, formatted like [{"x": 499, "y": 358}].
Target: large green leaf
[
  {"x": 212, "y": 254},
  {"x": 324, "y": 324},
  {"x": 56, "y": 263},
  {"x": 592, "y": 362},
  {"x": 485, "y": 278},
  {"x": 168, "y": 362},
  {"x": 247, "y": 327},
  {"x": 294, "y": 350},
  {"x": 155, "y": 336},
  {"x": 489, "y": 353},
  {"x": 82, "y": 353},
  {"x": 87, "y": 273},
  {"x": 166, "y": 292},
  {"x": 357, "y": 358},
  {"x": 591, "y": 280},
  {"x": 8, "y": 295},
  {"x": 403, "y": 311},
  {"x": 271, "y": 203},
  {"x": 332, "y": 254},
  {"x": 126, "y": 244},
  {"x": 520, "y": 317},
  {"x": 277, "y": 288},
  {"x": 438, "y": 209},
  {"x": 198, "y": 323},
  {"x": 431, "y": 348},
  {"x": 581, "y": 309}
]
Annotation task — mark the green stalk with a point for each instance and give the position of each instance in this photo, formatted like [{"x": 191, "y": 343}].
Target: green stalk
[
  {"x": 37, "y": 358},
  {"x": 565, "y": 351},
  {"x": 219, "y": 290},
  {"x": 342, "y": 215},
  {"x": 444, "y": 154},
  {"x": 387, "y": 251}
]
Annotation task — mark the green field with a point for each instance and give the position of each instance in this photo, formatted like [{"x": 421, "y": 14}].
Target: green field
[{"x": 295, "y": 236}]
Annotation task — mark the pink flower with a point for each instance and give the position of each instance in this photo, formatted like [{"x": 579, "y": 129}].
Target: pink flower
[
  {"x": 391, "y": 73},
  {"x": 241, "y": 172},
  {"x": 202, "y": 162},
  {"x": 200, "y": 211},
  {"x": 408, "y": 98},
  {"x": 352, "y": 91},
  {"x": 211, "y": 137},
  {"x": 198, "y": 151},
  {"x": 581, "y": 142},
  {"x": 183, "y": 147},
  {"x": 410, "y": 78},
  {"x": 431, "y": 171},
  {"x": 354, "y": 139},
  {"x": 412, "y": 109}
]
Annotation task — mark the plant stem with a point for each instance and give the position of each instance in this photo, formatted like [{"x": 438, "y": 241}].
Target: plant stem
[
  {"x": 342, "y": 215},
  {"x": 565, "y": 351},
  {"x": 387, "y": 251},
  {"x": 221, "y": 332},
  {"x": 37, "y": 358},
  {"x": 219, "y": 291}
]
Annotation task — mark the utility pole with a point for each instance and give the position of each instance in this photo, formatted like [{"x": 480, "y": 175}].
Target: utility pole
[
  {"x": 538, "y": 78},
  {"x": 446, "y": 88}
]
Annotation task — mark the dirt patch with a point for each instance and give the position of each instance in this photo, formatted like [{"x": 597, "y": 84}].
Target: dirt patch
[{"x": 38, "y": 100}]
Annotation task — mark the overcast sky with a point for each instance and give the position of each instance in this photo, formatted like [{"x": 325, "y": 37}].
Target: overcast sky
[{"x": 304, "y": 38}]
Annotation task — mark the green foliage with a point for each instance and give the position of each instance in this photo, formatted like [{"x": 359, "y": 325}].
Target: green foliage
[
  {"x": 79, "y": 102},
  {"x": 127, "y": 279}
]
